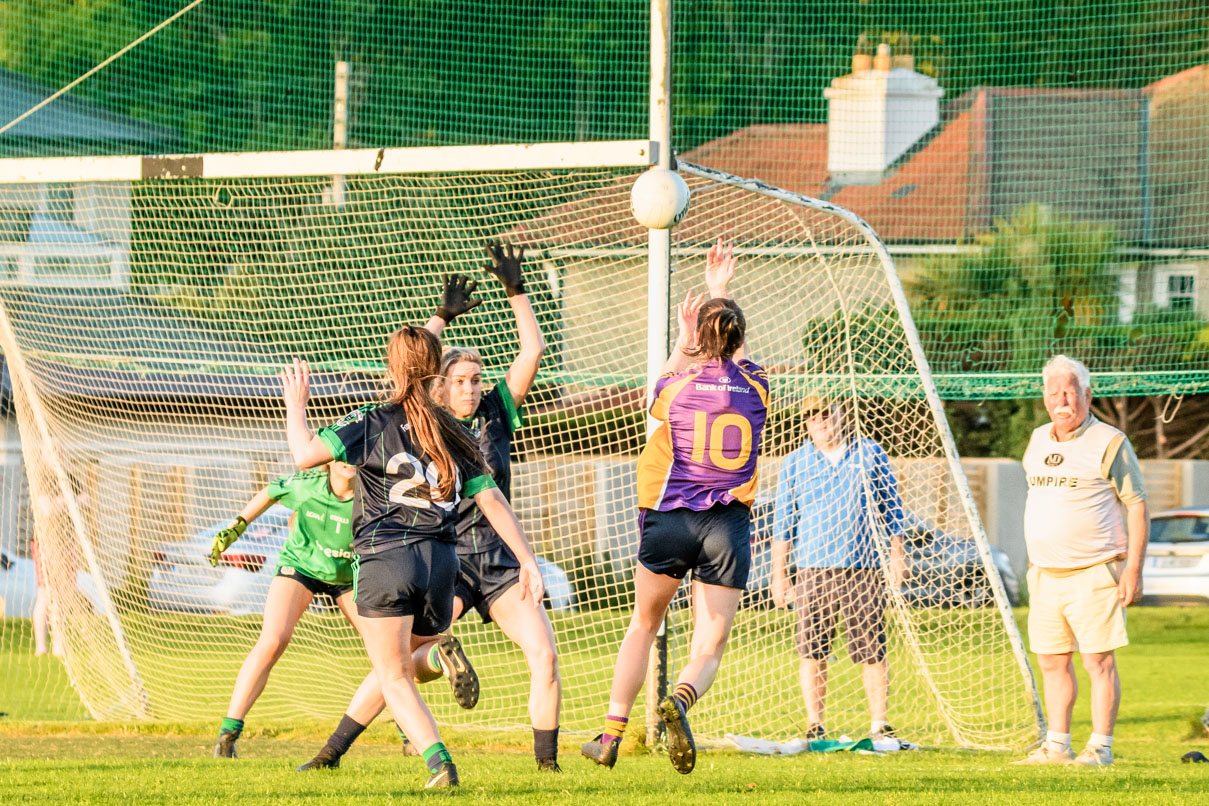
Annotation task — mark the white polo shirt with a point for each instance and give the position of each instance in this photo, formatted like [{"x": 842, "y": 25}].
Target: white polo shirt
[{"x": 1077, "y": 492}]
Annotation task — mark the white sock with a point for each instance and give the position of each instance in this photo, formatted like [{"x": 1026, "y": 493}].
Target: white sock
[
  {"x": 876, "y": 726},
  {"x": 1100, "y": 740},
  {"x": 1057, "y": 741}
]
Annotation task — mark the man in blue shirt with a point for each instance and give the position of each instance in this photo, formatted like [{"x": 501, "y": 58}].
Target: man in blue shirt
[{"x": 839, "y": 516}]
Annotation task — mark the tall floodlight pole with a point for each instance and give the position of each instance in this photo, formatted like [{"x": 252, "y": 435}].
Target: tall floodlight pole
[{"x": 658, "y": 292}]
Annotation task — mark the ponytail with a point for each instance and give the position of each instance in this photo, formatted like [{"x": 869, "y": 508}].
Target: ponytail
[
  {"x": 413, "y": 358},
  {"x": 721, "y": 328}
]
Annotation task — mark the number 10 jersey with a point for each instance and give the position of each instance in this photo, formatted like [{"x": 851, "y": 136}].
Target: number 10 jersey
[
  {"x": 395, "y": 502},
  {"x": 704, "y": 453}
]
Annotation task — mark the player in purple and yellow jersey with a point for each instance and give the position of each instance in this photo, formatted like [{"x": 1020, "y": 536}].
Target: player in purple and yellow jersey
[{"x": 696, "y": 484}]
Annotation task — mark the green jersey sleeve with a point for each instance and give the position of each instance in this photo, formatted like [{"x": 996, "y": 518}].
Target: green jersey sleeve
[
  {"x": 347, "y": 437},
  {"x": 476, "y": 485},
  {"x": 290, "y": 491},
  {"x": 512, "y": 412}
]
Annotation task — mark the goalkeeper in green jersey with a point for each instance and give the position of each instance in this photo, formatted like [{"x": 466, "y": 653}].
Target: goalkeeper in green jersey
[{"x": 317, "y": 559}]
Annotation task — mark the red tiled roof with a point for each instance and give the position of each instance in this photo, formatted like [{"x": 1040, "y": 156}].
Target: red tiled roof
[
  {"x": 791, "y": 156},
  {"x": 934, "y": 196},
  {"x": 943, "y": 192}
]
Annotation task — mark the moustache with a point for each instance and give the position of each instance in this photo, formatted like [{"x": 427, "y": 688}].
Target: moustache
[{"x": 1064, "y": 410}]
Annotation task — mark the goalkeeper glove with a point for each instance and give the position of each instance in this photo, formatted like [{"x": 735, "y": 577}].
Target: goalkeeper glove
[
  {"x": 455, "y": 299},
  {"x": 506, "y": 265},
  {"x": 224, "y": 539}
]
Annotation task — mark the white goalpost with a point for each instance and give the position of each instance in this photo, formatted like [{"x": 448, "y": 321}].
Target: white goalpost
[{"x": 149, "y": 323}]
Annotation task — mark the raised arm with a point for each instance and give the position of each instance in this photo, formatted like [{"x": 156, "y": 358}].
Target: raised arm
[
  {"x": 686, "y": 314},
  {"x": 506, "y": 264},
  {"x": 456, "y": 298},
  {"x": 720, "y": 264},
  {"x": 307, "y": 449},
  {"x": 499, "y": 514}
]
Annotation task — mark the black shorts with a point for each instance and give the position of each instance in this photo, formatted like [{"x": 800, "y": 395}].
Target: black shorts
[
  {"x": 413, "y": 580},
  {"x": 484, "y": 578},
  {"x": 714, "y": 544},
  {"x": 823, "y": 594},
  {"x": 315, "y": 586}
]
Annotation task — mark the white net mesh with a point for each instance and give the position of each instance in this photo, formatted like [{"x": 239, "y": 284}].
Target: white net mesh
[{"x": 145, "y": 322}]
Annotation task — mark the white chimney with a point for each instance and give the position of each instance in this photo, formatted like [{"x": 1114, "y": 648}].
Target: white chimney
[{"x": 875, "y": 114}]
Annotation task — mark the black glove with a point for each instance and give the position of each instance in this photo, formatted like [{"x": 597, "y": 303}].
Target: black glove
[
  {"x": 506, "y": 265},
  {"x": 456, "y": 300}
]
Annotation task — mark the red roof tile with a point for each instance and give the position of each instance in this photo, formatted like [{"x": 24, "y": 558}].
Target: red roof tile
[{"x": 946, "y": 191}]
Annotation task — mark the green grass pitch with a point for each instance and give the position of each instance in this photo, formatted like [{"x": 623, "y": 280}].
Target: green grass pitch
[{"x": 67, "y": 760}]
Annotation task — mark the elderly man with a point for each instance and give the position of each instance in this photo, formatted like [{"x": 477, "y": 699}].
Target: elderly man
[
  {"x": 839, "y": 511},
  {"x": 1086, "y": 527}
]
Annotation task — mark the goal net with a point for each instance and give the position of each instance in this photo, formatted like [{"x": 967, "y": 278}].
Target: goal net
[{"x": 146, "y": 306}]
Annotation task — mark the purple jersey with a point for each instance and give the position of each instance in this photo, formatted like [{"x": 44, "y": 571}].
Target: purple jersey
[{"x": 705, "y": 451}]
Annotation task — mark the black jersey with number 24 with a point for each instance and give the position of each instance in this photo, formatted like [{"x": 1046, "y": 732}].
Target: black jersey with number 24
[{"x": 396, "y": 483}]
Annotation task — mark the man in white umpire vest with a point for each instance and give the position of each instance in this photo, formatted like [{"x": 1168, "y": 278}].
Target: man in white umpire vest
[{"x": 1086, "y": 527}]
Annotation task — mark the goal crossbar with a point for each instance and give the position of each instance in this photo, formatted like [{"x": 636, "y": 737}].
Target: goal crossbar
[{"x": 349, "y": 162}]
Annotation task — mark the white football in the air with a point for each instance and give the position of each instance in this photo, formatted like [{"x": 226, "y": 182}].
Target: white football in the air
[{"x": 659, "y": 199}]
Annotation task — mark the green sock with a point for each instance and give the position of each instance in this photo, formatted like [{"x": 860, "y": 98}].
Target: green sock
[
  {"x": 402, "y": 735},
  {"x": 435, "y": 756},
  {"x": 230, "y": 725}
]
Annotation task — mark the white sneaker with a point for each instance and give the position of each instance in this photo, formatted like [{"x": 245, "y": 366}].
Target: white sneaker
[
  {"x": 1047, "y": 755},
  {"x": 1094, "y": 757}
]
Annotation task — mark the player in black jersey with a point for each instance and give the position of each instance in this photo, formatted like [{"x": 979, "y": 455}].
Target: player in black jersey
[
  {"x": 490, "y": 571},
  {"x": 414, "y": 463}
]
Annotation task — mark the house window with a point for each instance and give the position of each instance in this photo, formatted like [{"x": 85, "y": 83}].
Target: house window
[
  {"x": 1175, "y": 286},
  {"x": 1181, "y": 292}
]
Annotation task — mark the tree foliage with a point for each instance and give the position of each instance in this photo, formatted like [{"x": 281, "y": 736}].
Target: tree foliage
[{"x": 241, "y": 75}]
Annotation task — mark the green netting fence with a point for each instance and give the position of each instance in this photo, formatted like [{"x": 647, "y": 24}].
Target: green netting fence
[{"x": 1052, "y": 196}]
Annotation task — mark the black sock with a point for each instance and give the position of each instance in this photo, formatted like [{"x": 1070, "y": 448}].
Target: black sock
[
  {"x": 545, "y": 744},
  {"x": 343, "y": 737}
]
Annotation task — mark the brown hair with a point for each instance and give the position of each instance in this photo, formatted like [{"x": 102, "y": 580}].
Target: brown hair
[
  {"x": 720, "y": 330},
  {"x": 413, "y": 357}
]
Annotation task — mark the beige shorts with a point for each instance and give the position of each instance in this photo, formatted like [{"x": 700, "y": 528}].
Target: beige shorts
[{"x": 1076, "y": 611}]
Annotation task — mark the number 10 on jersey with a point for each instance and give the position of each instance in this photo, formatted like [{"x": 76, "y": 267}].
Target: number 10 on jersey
[{"x": 708, "y": 439}]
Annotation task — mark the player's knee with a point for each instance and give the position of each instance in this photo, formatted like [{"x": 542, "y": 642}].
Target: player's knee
[
  {"x": 645, "y": 625},
  {"x": 543, "y": 660},
  {"x": 709, "y": 646},
  {"x": 273, "y": 644}
]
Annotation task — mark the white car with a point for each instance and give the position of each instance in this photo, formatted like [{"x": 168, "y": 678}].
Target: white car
[
  {"x": 183, "y": 579},
  {"x": 1176, "y": 570},
  {"x": 19, "y": 586}
]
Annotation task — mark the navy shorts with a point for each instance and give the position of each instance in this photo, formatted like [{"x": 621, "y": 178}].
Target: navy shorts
[
  {"x": 714, "y": 544},
  {"x": 413, "y": 580},
  {"x": 315, "y": 586},
  {"x": 485, "y": 577}
]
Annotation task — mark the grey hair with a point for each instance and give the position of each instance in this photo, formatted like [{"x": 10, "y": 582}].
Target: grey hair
[{"x": 1064, "y": 365}]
